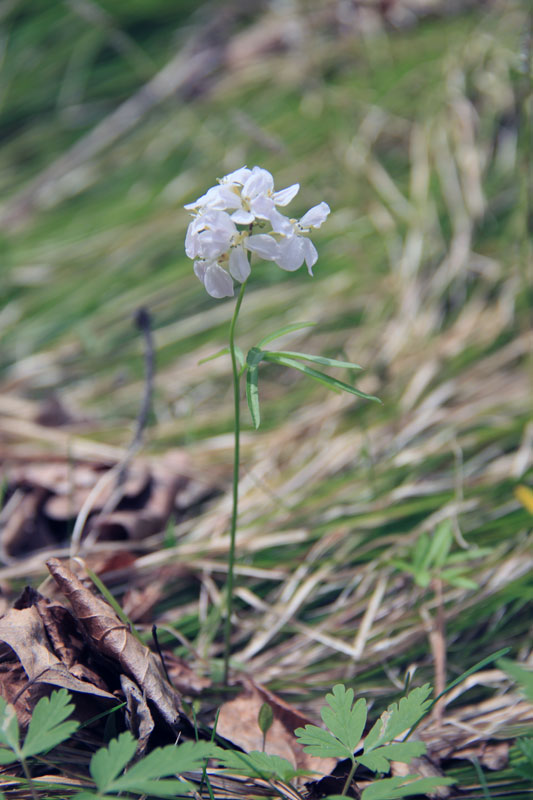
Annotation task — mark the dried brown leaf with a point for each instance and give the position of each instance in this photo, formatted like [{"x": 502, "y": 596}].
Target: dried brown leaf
[
  {"x": 110, "y": 637},
  {"x": 238, "y": 722}
]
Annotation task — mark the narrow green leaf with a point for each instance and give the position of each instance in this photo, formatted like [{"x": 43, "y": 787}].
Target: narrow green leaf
[
  {"x": 327, "y": 380},
  {"x": 327, "y": 362},
  {"x": 456, "y": 578},
  {"x": 223, "y": 352},
  {"x": 441, "y": 543},
  {"x": 47, "y": 727},
  {"x": 296, "y": 326},
  {"x": 345, "y": 722},
  {"x": 252, "y": 395},
  {"x": 392, "y": 788}
]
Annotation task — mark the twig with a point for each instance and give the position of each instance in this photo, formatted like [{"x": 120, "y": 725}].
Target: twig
[{"x": 119, "y": 471}]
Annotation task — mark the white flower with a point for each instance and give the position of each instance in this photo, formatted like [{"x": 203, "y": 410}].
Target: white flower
[
  {"x": 209, "y": 235},
  {"x": 216, "y": 280},
  {"x": 247, "y": 193},
  {"x": 218, "y": 247},
  {"x": 292, "y": 248}
]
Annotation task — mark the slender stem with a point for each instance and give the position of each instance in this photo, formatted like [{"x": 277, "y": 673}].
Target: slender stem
[
  {"x": 31, "y": 784},
  {"x": 236, "y": 456},
  {"x": 349, "y": 779}
]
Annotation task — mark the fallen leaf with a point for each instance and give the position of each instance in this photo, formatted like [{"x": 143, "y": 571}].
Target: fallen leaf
[
  {"x": 238, "y": 722},
  {"x": 110, "y": 637}
]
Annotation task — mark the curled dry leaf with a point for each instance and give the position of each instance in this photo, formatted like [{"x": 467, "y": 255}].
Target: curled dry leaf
[
  {"x": 238, "y": 722},
  {"x": 110, "y": 637}
]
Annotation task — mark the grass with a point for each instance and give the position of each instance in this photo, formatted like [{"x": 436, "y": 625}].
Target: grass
[{"x": 411, "y": 136}]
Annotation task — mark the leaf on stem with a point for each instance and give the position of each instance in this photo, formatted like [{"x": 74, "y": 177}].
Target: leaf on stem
[
  {"x": 296, "y": 326},
  {"x": 47, "y": 727},
  {"x": 399, "y": 717},
  {"x": 224, "y": 352},
  {"x": 331, "y": 383},
  {"x": 392, "y": 788},
  {"x": 327, "y": 362},
  {"x": 259, "y": 765}
]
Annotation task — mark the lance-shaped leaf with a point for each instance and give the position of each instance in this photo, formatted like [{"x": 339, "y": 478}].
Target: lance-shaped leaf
[
  {"x": 326, "y": 362},
  {"x": 296, "y": 326},
  {"x": 332, "y": 383},
  {"x": 224, "y": 352},
  {"x": 253, "y": 359}
]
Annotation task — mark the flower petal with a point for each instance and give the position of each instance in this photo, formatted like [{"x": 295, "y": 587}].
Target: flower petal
[
  {"x": 290, "y": 253},
  {"x": 280, "y": 223},
  {"x": 242, "y": 217},
  {"x": 237, "y": 176},
  {"x": 199, "y": 269},
  {"x": 310, "y": 254},
  {"x": 284, "y": 196},
  {"x": 315, "y": 216},
  {"x": 259, "y": 182},
  {"x": 262, "y": 206},
  {"x": 239, "y": 266},
  {"x": 217, "y": 282},
  {"x": 264, "y": 245}
]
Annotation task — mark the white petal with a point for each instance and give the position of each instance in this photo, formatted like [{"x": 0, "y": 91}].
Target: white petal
[
  {"x": 315, "y": 216},
  {"x": 262, "y": 206},
  {"x": 290, "y": 253},
  {"x": 264, "y": 245},
  {"x": 310, "y": 254},
  {"x": 242, "y": 217},
  {"x": 259, "y": 182},
  {"x": 237, "y": 176},
  {"x": 284, "y": 196},
  {"x": 239, "y": 265},
  {"x": 217, "y": 282},
  {"x": 280, "y": 223},
  {"x": 199, "y": 269}
]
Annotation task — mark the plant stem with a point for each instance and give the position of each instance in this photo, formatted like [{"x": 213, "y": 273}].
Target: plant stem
[
  {"x": 236, "y": 455},
  {"x": 29, "y": 779},
  {"x": 350, "y": 777}
]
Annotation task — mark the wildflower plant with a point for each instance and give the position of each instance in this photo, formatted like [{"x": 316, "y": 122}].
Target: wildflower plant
[{"x": 232, "y": 221}]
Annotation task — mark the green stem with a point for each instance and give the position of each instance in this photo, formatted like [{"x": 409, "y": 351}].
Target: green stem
[
  {"x": 350, "y": 777},
  {"x": 236, "y": 456},
  {"x": 27, "y": 773}
]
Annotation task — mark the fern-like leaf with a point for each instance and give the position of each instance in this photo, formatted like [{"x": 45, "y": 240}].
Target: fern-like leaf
[
  {"x": 399, "y": 717},
  {"x": 47, "y": 726}
]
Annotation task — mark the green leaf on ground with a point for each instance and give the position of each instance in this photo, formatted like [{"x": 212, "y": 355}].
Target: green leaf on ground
[{"x": 399, "y": 717}]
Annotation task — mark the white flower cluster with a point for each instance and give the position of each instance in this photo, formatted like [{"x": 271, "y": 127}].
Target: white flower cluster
[{"x": 246, "y": 197}]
